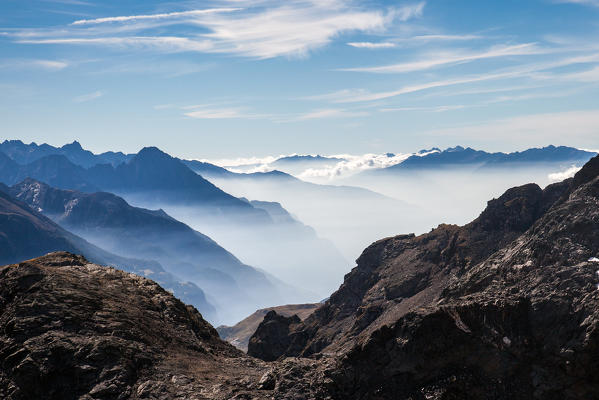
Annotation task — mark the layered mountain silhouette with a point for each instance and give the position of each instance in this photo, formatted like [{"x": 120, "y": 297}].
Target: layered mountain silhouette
[
  {"x": 25, "y": 233},
  {"x": 109, "y": 221},
  {"x": 460, "y": 156},
  {"x": 503, "y": 307},
  {"x": 26, "y": 153},
  {"x": 153, "y": 179}
]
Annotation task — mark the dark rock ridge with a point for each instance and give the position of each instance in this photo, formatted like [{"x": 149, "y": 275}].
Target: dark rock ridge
[
  {"x": 75, "y": 330},
  {"x": 26, "y": 233},
  {"x": 109, "y": 220},
  {"x": 239, "y": 334},
  {"x": 506, "y": 307}
]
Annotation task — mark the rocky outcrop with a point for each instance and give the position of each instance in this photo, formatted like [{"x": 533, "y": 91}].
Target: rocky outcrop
[
  {"x": 275, "y": 328},
  {"x": 239, "y": 334},
  {"x": 75, "y": 330},
  {"x": 505, "y": 307}
]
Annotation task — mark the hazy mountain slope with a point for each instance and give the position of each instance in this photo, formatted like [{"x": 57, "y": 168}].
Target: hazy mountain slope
[
  {"x": 25, "y": 233},
  {"x": 506, "y": 305},
  {"x": 153, "y": 179},
  {"x": 239, "y": 334},
  {"x": 26, "y": 153},
  {"x": 108, "y": 220},
  {"x": 351, "y": 217}
]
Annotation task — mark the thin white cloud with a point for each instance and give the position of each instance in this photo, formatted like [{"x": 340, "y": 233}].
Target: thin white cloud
[
  {"x": 561, "y": 175},
  {"x": 350, "y": 165},
  {"x": 330, "y": 113},
  {"x": 163, "y": 43},
  {"x": 133, "y": 18},
  {"x": 453, "y": 58},
  {"x": 209, "y": 111},
  {"x": 530, "y": 70},
  {"x": 372, "y": 45},
  {"x": 88, "y": 97},
  {"x": 261, "y": 30},
  {"x": 592, "y": 3},
  {"x": 590, "y": 75},
  {"x": 444, "y": 37},
  {"x": 433, "y": 109},
  {"x": 49, "y": 65}
]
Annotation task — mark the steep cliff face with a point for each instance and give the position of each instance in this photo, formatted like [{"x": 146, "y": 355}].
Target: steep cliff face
[{"x": 504, "y": 307}]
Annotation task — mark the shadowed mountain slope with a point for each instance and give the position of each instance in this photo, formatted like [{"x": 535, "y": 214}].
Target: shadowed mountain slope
[
  {"x": 108, "y": 220},
  {"x": 25, "y": 233},
  {"x": 505, "y": 307}
]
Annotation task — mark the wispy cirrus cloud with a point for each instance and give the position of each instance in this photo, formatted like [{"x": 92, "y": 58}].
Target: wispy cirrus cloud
[
  {"x": 134, "y": 18},
  {"x": 330, "y": 113},
  {"x": 372, "y": 45},
  {"x": 528, "y": 70},
  {"x": 593, "y": 3},
  {"x": 49, "y": 65},
  {"x": 262, "y": 30},
  {"x": 215, "y": 111},
  {"x": 88, "y": 97},
  {"x": 454, "y": 58}
]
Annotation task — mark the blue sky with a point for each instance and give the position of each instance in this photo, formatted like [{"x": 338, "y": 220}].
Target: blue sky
[{"x": 233, "y": 78}]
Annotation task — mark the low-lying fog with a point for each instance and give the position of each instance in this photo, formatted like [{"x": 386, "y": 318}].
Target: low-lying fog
[
  {"x": 308, "y": 265},
  {"x": 411, "y": 202}
]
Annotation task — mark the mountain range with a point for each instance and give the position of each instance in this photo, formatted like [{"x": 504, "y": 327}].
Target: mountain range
[
  {"x": 505, "y": 307},
  {"x": 109, "y": 221},
  {"x": 25, "y": 233},
  {"x": 460, "y": 156}
]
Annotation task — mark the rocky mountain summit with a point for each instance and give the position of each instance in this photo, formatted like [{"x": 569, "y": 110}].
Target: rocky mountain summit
[{"x": 506, "y": 307}]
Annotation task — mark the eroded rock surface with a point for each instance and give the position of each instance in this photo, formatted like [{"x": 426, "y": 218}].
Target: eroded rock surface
[
  {"x": 75, "y": 330},
  {"x": 506, "y": 307}
]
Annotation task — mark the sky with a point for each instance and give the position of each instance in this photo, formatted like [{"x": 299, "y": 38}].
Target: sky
[{"x": 237, "y": 78}]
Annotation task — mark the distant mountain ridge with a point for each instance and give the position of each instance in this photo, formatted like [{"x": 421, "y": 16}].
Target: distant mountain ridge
[
  {"x": 153, "y": 179},
  {"x": 26, "y": 153},
  {"x": 459, "y": 156},
  {"x": 25, "y": 234}
]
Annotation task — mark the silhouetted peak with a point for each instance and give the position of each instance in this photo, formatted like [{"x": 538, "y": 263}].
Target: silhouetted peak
[
  {"x": 455, "y": 149},
  {"x": 152, "y": 153},
  {"x": 72, "y": 146}
]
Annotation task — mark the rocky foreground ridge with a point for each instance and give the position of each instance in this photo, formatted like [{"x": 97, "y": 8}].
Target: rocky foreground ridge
[
  {"x": 506, "y": 307},
  {"x": 75, "y": 330}
]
